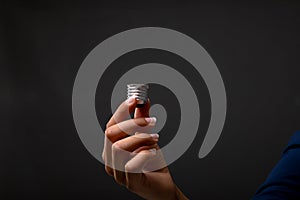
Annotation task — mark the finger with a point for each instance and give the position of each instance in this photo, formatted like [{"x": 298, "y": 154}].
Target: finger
[
  {"x": 136, "y": 141},
  {"x": 136, "y": 172},
  {"x": 119, "y": 131},
  {"x": 121, "y": 149},
  {"x": 129, "y": 127},
  {"x": 134, "y": 168},
  {"x": 123, "y": 112},
  {"x": 157, "y": 162},
  {"x": 142, "y": 111},
  {"x": 107, "y": 156},
  {"x": 144, "y": 148},
  {"x": 119, "y": 159},
  {"x": 137, "y": 163}
]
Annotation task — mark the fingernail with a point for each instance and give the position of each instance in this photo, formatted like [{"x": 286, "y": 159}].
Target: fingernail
[
  {"x": 151, "y": 120},
  {"x": 154, "y": 135},
  {"x": 153, "y": 151},
  {"x": 130, "y": 100}
]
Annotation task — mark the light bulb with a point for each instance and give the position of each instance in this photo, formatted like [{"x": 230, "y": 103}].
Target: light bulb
[{"x": 139, "y": 91}]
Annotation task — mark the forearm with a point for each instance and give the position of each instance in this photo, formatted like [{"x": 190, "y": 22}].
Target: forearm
[{"x": 179, "y": 194}]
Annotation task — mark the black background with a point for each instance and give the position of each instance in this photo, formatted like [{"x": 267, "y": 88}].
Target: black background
[{"x": 43, "y": 43}]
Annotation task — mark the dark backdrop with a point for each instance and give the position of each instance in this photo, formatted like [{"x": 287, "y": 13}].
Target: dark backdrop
[{"x": 42, "y": 45}]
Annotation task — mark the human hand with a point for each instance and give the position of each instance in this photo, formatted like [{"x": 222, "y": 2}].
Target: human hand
[{"x": 130, "y": 153}]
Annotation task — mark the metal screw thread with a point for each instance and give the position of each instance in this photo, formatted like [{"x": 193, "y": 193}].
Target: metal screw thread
[{"x": 139, "y": 91}]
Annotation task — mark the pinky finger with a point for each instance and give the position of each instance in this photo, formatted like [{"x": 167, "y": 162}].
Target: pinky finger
[
  {"x": 137, "y": 163},
  {"x": 134, "y": 169}
]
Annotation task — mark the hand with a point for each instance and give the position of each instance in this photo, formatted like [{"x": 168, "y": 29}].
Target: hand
[{"x": 130, "y": 153}]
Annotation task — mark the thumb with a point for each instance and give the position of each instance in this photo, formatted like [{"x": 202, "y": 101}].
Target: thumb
[{"x": 142, "y": 111}]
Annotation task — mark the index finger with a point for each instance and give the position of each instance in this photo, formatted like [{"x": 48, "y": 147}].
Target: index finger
[{"x": 123, "y": 112}]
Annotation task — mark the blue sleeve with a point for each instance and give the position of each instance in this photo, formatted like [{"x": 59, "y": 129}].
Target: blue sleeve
[{"x": 284, "y": 180}]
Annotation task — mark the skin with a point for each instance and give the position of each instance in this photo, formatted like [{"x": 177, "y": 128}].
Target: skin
[{"x": 133, "y": 170}]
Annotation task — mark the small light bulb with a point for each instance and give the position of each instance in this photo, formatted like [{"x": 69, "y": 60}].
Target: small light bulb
[{"x": 139, "y": 91}]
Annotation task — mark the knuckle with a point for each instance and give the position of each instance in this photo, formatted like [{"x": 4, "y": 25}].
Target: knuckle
[
  {"x": 108, "y": 133},
  {"x": 103, "y": 156},
  {"x": 120, "y": 180},
  {"x": 109, "y": 171},
  {"x": 116, "y": 146},
  {"x": 129, "y": 168}
]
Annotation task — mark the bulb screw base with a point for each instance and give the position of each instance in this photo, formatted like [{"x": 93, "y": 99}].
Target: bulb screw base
[{"x": 139, "y": 91}]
